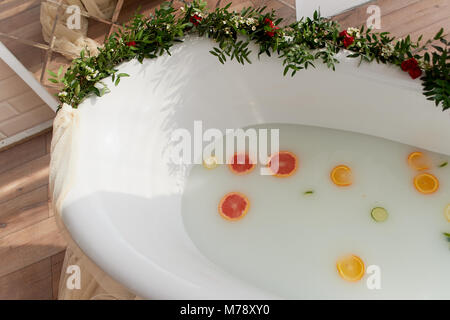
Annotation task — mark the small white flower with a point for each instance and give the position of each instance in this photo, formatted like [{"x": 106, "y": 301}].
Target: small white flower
[
  {"x": 354, "y": 32},
  {"x": 112, "y": 50},
  {"x": 224, "y": 22},
  {"x": 316, "y": 40},
  {"x": 88, "y": 78},
  {"x": 253, "y": 28},
  {"x": 288, "y": 38},
  {"x": 182, "y": 8},
  {"x": 62, "y": 94}
]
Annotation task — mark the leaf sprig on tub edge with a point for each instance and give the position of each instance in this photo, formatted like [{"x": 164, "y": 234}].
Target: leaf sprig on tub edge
[{"x": 299, "y": 45}]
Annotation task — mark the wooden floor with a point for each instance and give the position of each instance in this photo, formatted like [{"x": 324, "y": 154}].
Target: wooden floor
[{"x": 32, "y": 249}]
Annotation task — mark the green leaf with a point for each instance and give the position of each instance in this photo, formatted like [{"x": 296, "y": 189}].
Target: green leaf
[
  {"x": 444, "y": 164},
  {"x": 50, "y": 72},
  {"x": 439, "y": 34}
]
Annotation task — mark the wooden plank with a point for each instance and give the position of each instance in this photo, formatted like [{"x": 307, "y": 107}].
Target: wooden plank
[
  {"x": 31, "y": 282},
  {"x": 57, "y": 264},
  {"x": 48, "y": 141},
  {"x": 30, "y": 245},
  {"x": 10, "y": 9},
  {"x": 24, "y": 210},
  {"x": 358, "y": 16},
  {"x": 12, "y": 87},
  {"x": 417, "y": 17},
  {"x": 22, "y": 153},
  {"x": 24, "y": 178},
  {"x": 400, "y": 17}
]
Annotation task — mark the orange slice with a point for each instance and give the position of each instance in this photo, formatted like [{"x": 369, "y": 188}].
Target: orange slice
[
  {"x": 341, "y": 176},
  {"x": 285, "y": 164},
  {"x": 241, "y": 164},
  {"x": 419, "y": 161},
  {"x": 234, "y": 206},
  {"x": 350, "y": 268},
  {"x": 426, "y": 183},
  {"x": 447, "y": 212}
]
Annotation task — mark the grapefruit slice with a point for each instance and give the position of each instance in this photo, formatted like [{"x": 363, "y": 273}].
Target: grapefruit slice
[
  {"x": 241, "y": 164},
  {"x": 351, "y": 268},
  {"x": 426, "y": 183},
  {"x": 341, "y": 176},
  {"x": 234, "y": 206},
  {"x": 418, "y": 161},
  {"x": 283, "y": 164}
]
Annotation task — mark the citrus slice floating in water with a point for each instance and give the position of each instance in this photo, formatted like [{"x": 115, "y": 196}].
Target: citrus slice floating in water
[
  {"x": 350, "y": 268},
  {"x": 447, "y": 212},
  {"x": 418, "y": 161},
  {"x": 379, "y": 214},
  {"x": 426, "y": 183},
  {"x": 283, "y": 164},
  {"x": 241, "y": 164},
  {"x": 341, "y": 176},
  {"x": 234, "y": 206},
  {"x": 210, "y": 162}
]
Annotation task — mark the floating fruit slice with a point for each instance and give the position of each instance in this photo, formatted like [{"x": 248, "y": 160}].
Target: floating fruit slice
[
  {"x": 283, "y": 164},
  {"x": 341, "y": 176},
  {"x": 379, "y": 214},
  {"x": 211, "y": 162},
  {"x": 447, "y": 212},
  {"x": 350, "y": 268},
  {"x": 418, "y": 161},
  {"x": 234, "y": 206},
  {"x": 241, "y": 164},
  {"x": 426, "y": 183}
]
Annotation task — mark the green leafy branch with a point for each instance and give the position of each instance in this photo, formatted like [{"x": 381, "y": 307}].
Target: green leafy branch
[{"x": 299, "y": 45}]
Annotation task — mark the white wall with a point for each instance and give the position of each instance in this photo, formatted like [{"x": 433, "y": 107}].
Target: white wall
[{"x": 328, "y": 8}]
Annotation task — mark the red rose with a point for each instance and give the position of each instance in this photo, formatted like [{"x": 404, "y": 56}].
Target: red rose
[
  {"x": 348, "y": 41},
  {"x": 343, "y": 34},
  {"x": 415, "y": 72},
  {"x": 195, "y": 20},
  {"x": 131, "y": 43},
  {"x": 269, "y": 22},
  {"x": 409, "y": 64}
]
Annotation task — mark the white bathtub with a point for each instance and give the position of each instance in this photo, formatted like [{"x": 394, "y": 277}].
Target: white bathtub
[{"x": 124, "y": 209}]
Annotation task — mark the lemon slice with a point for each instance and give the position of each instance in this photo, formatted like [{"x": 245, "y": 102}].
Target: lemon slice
[
  {"x": 210, "y": 163},
  {"x": 379, "y": 214},
  {"x": 350, "y": 268},
  {"x": 447, "y": 212}
]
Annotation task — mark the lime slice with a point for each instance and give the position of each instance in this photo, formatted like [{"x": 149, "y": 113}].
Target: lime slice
[{"x": 379, "y": 214}]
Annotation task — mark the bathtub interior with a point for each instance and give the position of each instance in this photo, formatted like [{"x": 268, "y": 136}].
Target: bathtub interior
[{"x": 124, "y": 210}]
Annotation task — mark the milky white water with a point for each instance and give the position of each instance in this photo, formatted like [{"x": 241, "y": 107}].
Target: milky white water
[{"x": 288, "y": 242}]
